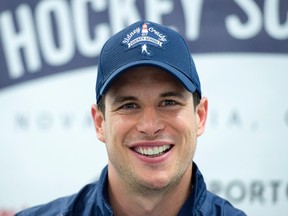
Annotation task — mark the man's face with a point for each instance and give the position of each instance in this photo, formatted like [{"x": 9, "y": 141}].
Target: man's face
[{"x": 150, "y": 129}]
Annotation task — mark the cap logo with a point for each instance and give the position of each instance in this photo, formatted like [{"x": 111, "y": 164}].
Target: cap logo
[
  {"x": 144, "y": 36},
  {"x": 144, "y": 50}
]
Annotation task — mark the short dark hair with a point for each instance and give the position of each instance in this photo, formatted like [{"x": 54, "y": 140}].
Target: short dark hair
[{"x": 101, "y": 103}]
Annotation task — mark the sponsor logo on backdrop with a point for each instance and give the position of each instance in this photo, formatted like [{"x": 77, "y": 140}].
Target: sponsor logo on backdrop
[
  {"x": 255, "y": 192},
  {"x": 41, "y": 38}
]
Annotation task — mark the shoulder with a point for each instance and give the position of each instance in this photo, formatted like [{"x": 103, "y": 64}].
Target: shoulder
[
  {"x": 215, "y": 205},
  {"x": 65, "y": 206}
]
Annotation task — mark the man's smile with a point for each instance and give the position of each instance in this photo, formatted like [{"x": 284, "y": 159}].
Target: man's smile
[{"x": 152, "y": 151}]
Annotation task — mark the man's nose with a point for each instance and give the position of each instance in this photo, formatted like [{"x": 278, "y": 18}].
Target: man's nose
[{"x": 150, "y": 122}]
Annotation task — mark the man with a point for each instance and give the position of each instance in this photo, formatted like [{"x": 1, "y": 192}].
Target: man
[{"x": 149, "y": 113}]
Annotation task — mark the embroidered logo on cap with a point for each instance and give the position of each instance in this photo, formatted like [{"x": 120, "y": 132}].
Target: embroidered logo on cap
[{"x": 144, "y": 36}]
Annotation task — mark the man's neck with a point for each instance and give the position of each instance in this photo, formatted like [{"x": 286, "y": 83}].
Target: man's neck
[{"x": 156, "y": 203}]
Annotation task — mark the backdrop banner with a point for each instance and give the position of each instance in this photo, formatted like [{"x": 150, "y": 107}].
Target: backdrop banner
[{"x": 49, "y": 51}]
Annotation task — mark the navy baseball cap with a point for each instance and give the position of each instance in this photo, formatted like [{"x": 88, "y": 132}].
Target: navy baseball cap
[{"x": 146, "y": 43}]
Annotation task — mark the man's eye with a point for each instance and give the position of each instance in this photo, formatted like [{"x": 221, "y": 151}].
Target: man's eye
[
  {"x": 168, "y": 103},
  {"x": 129, "y": 106}
]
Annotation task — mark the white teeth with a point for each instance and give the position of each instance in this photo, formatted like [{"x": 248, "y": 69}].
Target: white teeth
[{"x": 152, "y": 151}]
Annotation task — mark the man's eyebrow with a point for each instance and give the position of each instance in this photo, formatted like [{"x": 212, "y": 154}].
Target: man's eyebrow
[
  {"x": 122, "y": 99},
  {"x": 178, "y": 94}
]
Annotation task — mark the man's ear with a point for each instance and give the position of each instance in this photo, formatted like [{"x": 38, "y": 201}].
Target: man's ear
[
  {"x": 201, "y": 114},
  {"x": 98, "y": 119}
]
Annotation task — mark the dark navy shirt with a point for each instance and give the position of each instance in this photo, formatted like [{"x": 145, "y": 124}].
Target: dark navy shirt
[{"x": 93, "y": 200}]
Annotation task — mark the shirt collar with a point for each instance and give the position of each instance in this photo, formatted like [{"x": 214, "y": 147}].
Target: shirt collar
[{"x": 103, "y": 205}]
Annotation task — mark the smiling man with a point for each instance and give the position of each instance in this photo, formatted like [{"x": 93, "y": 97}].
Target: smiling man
[
  {"x": 149, "y": 112},
  {"x": 150, "y": 128}
]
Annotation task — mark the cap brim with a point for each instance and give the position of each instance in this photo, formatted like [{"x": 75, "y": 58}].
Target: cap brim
[{"x": 187, "y": 83}]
